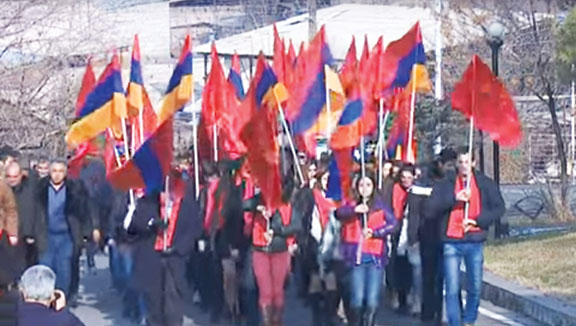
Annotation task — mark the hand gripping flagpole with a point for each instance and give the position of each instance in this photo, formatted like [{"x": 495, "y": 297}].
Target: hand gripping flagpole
[
  {"x": 470, "y": 146},
  {"x": 364, "y": 215},
  {"x": 469, "y": 178}
]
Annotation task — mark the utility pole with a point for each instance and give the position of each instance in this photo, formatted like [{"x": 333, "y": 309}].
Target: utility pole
[{"x": 312, "y": 26}]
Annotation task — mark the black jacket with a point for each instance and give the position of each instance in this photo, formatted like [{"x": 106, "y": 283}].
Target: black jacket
[
  {"x": 34, "y": 314},
  {"x": 443, "y": 200},
  {"x": 77, "y": 212},
  {"x": 415, "y": 221},
  {"x": 147, "y": 261},
  {"x": 9, "y": 307},
  {"x": 25, "y": 194}
]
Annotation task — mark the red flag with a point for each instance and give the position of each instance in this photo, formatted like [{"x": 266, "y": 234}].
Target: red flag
[
  {"x": 259, "y": 135},
  {"x": 479, "y": 94},
  {"x": 350, "y": 67},
  {"x": 88, "y": 82},
  {"x": 289, "y": 66},
  {"x": 219, "y": 104},
  {"x": 278, "y": 61}
]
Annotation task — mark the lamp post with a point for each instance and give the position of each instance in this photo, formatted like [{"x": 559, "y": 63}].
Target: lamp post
[{"x": 495, "y": 37}]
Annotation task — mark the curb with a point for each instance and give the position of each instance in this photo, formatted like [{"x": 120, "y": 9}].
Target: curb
[{"x": 529, "y": 302}]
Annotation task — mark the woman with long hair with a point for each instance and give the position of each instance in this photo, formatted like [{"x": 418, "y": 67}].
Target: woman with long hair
[{"x": 366, "y": 225}]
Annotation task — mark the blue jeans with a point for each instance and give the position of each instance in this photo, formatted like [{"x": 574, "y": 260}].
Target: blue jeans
[
  {"x": 58, "y": 256},
  {"x": 121, "y": 269},
  {"x": 472, "y": 254},
  {"x": 365, "y": 281}
]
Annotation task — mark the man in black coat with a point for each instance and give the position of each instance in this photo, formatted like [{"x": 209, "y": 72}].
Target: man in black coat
[
  {"x": 159, "y": 267},
  {"x": 24, "y": 191},
  {"x": 63, "y": 223},
  {"x": 466, "y": 206}
]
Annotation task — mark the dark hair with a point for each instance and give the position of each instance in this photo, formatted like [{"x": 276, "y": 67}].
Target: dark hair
[
  {"x": 446, "y": 155},
  {"x": 407, "y": 168},
  {"x": 357, "y": 178},
  {"x": 463, "y": 150}
]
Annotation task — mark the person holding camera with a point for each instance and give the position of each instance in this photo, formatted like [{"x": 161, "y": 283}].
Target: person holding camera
[{"x": 43, "y": 304}]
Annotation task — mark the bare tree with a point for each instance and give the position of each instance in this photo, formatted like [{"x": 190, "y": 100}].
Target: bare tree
[
  {"x": 529, "y": 56},
  {"x": 43, "y": 45}
]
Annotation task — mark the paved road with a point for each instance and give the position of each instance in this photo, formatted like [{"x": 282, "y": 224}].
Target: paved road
[{"x": 99, "y": 305}]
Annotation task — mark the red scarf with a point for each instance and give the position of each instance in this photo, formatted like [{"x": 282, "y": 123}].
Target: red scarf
[
  {"x": 178, "y": 195},
  {"x": 324, "y": 205},
  {"x": 455, "y": 222},
  {"x": 399, "y": 197},
  {"x": 260, "y": 224}
]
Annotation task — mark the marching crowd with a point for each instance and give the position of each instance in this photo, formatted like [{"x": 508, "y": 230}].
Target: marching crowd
[{"x": 400, "y": 241}]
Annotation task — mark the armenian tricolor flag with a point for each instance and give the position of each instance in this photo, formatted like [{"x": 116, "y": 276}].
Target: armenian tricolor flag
[
  {"x": 180, "y": 87},
  {"x": 103, "y": 108},
  {"x": 259, "y": 134},
  {"x": 308, "y": 98},
  {"x": 410, "y": 57},
  {"x": 142, "y": 115},
  {"x": 150, "y": 163}
]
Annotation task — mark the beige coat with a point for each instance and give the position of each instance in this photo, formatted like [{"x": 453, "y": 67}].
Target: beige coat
[{"x": 8, "y": 210}]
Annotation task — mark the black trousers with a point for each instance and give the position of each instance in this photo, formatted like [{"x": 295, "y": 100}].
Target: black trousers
[
  {"x": 165, "y": 307},
  {"x": 432, "y": 277}
]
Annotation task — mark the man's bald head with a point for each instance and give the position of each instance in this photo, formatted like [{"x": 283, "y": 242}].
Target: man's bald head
[{"x": 13, "y": 174}]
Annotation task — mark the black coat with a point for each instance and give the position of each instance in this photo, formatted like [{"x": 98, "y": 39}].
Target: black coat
[
  {"x": 147, "y": 261},
  {"x": 77, "y": 212},
  {"x": 25, "y": 194},
  {"x": 415, "y": 221},
  {"x": 443, "y": 200}
]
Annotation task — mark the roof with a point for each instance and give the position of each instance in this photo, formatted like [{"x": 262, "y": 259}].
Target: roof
[{"x": 342, "y": 22}]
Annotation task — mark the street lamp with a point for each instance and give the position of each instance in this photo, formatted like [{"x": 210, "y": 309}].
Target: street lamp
[{"x": 495, "y": 37}]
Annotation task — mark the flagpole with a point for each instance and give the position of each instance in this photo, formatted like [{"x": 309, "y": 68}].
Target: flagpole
[
  {"x": 468, "y": 183},
  {"x": 290, "y": 142},
  {"x": 215, "y": 134},
  {"x": 167, "y": 212},
  {"x": 196, "y": 160},
  {"x": 381, "y": 141},
  {"x": 364, "y": 217},
  {"x": 411, "y": 123},
  {"x": 328, "y": 104}
]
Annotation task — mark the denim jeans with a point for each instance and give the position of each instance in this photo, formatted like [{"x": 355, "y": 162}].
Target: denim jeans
[
  {"x": 121, "y": 266},
  {"x": 415, "y": 260},
  {"x": 366, "y": 281},
  {"x": 58, "y": 256},
  {"x": 472, "y": 254}
]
